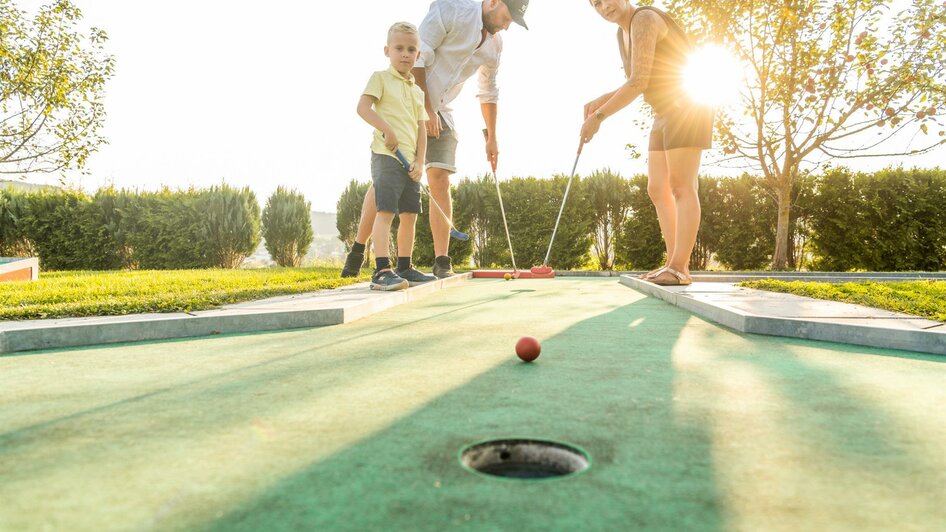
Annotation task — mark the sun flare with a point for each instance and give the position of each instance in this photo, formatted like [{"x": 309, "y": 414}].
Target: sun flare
[{"x": 712, "y": 76}]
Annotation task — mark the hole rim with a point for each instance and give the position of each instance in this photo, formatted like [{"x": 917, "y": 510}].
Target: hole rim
[{"x": 576, "y": 449}]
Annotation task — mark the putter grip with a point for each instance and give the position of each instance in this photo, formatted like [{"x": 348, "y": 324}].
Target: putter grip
[{"x": 403, "y": 160}]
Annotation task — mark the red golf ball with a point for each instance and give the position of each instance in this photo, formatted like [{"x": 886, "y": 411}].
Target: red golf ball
[{"x": 528, "y": 348}]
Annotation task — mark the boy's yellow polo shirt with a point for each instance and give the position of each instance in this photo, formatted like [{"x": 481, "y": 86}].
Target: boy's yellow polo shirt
[{"x": 400, "y": 102}]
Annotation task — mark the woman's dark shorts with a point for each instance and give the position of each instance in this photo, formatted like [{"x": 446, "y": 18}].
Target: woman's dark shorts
[
  {"x": 688, "y": 126},
  {"x": 394, "y": 190}
]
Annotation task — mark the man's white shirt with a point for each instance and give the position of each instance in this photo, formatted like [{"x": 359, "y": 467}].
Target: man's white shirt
[{"x": 449, "y": 35}]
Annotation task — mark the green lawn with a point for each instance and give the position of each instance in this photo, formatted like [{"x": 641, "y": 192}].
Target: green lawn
[
  {"x": 84, "y": 293},
  {"x": 918, "y": 298}
]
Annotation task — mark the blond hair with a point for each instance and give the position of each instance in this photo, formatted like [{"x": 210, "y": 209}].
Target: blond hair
[{"x": 401, "y": 27}]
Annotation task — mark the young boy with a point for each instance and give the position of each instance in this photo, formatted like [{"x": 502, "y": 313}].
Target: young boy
[{"x": 394, "y": 106}]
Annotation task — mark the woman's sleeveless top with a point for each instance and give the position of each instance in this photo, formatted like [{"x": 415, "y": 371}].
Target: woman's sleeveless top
[{"x": 665, "y": 89}]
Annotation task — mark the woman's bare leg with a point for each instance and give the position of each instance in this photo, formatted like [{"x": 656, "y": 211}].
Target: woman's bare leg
[
  {"x": 683, "y": 166},
  {"x": 658, "y": 188}
]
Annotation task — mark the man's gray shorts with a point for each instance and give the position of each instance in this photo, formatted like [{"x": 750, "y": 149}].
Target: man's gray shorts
[{"x": 442, "y": 151}]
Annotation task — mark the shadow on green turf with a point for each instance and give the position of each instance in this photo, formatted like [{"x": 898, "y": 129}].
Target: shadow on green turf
[{"x": 651, "y": 468}]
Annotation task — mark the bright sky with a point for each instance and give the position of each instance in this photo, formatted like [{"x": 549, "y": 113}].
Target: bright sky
[{"x": 264, "y": 94}]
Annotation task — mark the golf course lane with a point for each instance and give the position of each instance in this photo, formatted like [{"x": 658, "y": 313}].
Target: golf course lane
[{"x": 689, "y": 425}]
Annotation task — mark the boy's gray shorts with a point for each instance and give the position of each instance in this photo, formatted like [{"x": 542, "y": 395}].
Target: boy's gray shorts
[
  {"x": 394, "y": 190},
  {"x": 442, "y": 151}
]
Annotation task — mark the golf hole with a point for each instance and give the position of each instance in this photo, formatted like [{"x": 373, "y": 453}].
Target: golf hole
[{"x": 525, "y": 459}]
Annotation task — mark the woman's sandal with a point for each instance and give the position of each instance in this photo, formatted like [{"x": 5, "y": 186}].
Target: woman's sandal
[
  {"x": 651, "y": 274},
  {"x": 670, "y": 277}
]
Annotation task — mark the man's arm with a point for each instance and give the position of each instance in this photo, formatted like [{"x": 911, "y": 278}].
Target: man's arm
[
  {"x": 489, "y": 102},
  {"x": 417, "y": 170},
  {"x": 433, "y": 119},
  {"x": 490, "y": 110},
  {"x": 433, "y": 31}
]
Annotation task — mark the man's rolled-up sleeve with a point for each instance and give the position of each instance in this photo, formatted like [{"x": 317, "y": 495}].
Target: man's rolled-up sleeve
[
  {"x": 432, "y": 30},
  {"x": 488, "y": 89}
]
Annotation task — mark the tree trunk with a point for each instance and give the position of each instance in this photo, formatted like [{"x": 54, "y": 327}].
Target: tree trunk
[{"x": 784, "y": 196}]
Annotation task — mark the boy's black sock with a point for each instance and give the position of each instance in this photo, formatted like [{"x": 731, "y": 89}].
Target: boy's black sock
[
  {"x": 403, "y": 263},
  {"x": 443, "y": 261},
  {"x": 358, "y": 248},
  {"x": 382, "y": 263}
]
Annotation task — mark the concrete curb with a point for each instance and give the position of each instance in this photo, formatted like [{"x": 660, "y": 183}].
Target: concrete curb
[
  {"x": 912, "y": 334},
  {"x": 738, "y": 277},
  {"x": 316, "y": 309}
]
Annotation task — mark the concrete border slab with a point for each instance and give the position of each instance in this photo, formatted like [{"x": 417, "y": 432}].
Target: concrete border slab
[
  {"x": 738, "y": 277},
  {"x": 315, "y": 309},
  {"x": 775, "y": 314}
]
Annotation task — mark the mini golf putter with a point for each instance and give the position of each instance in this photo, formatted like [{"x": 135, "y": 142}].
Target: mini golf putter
[
  {"x": 454, "y": 232},
  {"x": 545, "y": 269},
  {"x": 537, "y": 272}
]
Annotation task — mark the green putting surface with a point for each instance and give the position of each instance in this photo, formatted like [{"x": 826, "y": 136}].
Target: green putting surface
[{"x": 689, "y": 425}]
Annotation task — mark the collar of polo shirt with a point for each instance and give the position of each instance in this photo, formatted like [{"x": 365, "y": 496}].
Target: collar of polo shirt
[{"x": 409, "y": 78}]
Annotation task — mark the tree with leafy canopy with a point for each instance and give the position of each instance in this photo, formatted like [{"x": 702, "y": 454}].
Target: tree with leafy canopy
[
  {"x": 609, "y": 195},
  {"x": 287, "y": 227},
  {"x": 52, "y": 87},
  {"x": 826, "y": 81}
]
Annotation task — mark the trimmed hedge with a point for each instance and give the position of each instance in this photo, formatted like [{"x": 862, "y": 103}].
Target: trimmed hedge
[
  {"x": 119, "y": 229},
  {"x": 890, "y": 220}
]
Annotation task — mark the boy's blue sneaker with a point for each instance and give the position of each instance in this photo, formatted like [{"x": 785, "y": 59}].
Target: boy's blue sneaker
[
  {"x": 414, "y": 277},
  {"x": 387, "y": 280}
]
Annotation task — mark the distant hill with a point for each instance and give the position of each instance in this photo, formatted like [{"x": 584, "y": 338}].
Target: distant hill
[
  {"x": 22, "y": 185},
  {"x": 323, "y": 223},
  {"x": 325, "y": 243}
]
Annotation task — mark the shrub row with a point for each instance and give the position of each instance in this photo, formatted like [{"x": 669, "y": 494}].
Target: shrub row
[
  {"x": 891, "y": 220},
  {"x": 884, "y": 221},
  {"x": 118, "y": 229}
]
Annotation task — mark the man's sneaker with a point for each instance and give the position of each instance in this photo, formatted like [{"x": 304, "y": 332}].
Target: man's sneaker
[
  {"x": 387, "y": 280},
  {"x": 353, "y": 264},
  {"x": 442, "y": 267},
  {"x": 415, "y": 277}
]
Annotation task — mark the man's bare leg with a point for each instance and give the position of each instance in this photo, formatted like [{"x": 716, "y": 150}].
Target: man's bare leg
[
  {"x": 368, "y": 212},
  {"x": 405, "y": 234},
  {"x": 439, "y": 181},
  {"x": 356, "y": 257}
]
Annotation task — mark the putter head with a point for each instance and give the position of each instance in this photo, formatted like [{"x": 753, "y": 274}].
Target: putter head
[
  {"x": 541, "y": 270},
  {"x": 458, "y": 235}
]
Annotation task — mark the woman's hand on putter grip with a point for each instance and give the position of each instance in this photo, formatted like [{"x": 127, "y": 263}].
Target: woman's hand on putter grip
[
  {"x": 590, "y": 128},
  {"x": 596, "y": 104}
]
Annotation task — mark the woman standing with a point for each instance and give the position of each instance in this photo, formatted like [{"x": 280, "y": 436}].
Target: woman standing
[{"x": 654, "y": 51}]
